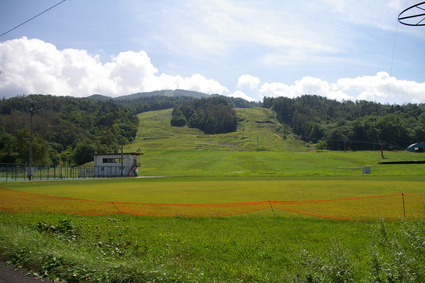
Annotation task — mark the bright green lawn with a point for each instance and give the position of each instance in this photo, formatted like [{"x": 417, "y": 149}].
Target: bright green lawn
[{"x": 233, "y": 163}]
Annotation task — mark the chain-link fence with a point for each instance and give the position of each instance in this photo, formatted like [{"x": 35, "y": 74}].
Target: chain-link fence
[{"x": 21, "y": 172}]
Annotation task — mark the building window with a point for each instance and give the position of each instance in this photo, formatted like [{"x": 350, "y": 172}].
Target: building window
[{"x": 112, "y": 160}]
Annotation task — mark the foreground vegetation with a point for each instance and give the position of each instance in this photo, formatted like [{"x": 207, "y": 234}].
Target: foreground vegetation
[{"x": 228, "y": 249}]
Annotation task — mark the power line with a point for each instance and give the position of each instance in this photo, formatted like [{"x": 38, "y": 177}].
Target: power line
[
  {"x": 32, "y": 18},
  {"x": 392, "y": 57}
]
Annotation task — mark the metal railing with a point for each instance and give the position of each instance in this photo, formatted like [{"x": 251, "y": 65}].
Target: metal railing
[{"x": 20, "y": 172}]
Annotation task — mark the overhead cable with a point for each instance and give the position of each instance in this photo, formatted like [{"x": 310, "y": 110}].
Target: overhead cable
[{"x": 32, "y": 18}]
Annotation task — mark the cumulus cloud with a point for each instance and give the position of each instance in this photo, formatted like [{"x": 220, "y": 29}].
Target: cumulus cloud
[
  {"x": 380, "y": 88},
  {"x": 35, "y": 66},
  {"x": 384, "y": 88},
  {"x": 307, "y": 85},
  {"x": 248, "y": 80},
  {"x": 240, "y": 94}
]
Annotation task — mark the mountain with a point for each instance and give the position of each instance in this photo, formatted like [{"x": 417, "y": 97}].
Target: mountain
[{"x": 168, "y": 93}]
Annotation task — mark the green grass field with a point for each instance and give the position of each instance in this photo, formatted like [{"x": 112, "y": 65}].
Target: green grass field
[
  {"x": 261, "y": 147},
  {"x": 261, "y": 161},
  {"x": 223, "y": 189}
]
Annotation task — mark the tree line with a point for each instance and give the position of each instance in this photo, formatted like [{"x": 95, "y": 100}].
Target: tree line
[
  {"x": 214, "y": 115},
  {"x": 363, "y": 124},
  {"x": 66, "y": 130},
  {"x": 71, "y": 130},
  {"x": 139, "y": 104}
]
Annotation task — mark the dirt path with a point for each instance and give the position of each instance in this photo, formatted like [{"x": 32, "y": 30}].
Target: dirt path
[{"x": 9, "y": 274}]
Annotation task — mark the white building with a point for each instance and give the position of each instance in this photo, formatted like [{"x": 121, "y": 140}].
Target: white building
[{"x": 111, "y": 164}]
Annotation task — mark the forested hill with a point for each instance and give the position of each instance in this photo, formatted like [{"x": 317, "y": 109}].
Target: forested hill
[
  {"x": 213, "y": 115},
  {"x": 165, "y": 99},
  {"x": 66, "y": 129},
  {"x": 361, "y": 123},
  {"x": 70, "y": 130}
]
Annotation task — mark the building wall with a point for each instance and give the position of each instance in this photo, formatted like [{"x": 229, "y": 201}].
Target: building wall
[
  {"x": 114, "y": 160},
  {"x": 109, "y": 165}
]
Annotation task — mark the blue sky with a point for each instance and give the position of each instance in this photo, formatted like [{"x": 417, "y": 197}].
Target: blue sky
[{"x": 344, "y": 50}]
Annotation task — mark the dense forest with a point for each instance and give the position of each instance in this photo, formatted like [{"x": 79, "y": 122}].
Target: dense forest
[
  {"x": 159, "y": 100},
  {"x": 66, "y": 129},
  {"x": 363, "y": 124},
  {"x": 213, "y": 115}
]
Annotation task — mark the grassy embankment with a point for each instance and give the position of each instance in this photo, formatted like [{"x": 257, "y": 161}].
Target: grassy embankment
[{"x": 255, "y": 247}]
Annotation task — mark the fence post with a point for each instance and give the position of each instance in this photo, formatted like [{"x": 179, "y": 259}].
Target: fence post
[
  {"x": 404, "y": 206},
  {"x": 270, "y": 203}
]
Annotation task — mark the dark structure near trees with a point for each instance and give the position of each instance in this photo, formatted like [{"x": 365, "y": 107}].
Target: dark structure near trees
[{"x": 416, "y": 147}]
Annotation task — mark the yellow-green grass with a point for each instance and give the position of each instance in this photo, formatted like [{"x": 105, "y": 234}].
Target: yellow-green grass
[
  {"x": 352, "y": 197},
  {"x": 223, "y": 190},
  {"x": 232, "y": 163}
]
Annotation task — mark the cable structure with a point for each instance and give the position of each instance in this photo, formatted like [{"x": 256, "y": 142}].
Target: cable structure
[
  {"x": 392, "y": 57},
  {"x": 32, "y": 18}
]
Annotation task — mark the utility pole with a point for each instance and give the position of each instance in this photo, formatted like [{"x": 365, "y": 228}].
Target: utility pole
[
  {"x": 122, "y": 150},
  {"x": 382, "y": 143},
  {"x": 32, "y": 110}
]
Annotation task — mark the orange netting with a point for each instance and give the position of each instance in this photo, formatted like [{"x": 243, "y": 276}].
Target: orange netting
[{"x": 360, "y": 208}]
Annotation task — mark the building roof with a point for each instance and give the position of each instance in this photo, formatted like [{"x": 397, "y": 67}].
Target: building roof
[{"x": 119, "y": 153}]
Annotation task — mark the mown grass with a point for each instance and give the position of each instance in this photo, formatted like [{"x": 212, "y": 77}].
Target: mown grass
[{"x": 224, "y": 189}]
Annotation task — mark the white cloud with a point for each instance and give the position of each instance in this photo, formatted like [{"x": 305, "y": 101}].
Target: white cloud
[
  {"x": 248, "y": 80},
  {"x": 384, "y": 88},
  {"x": 307, "y": 85},
  {"x": 222, "y": 28},
  {"x": 380, "y": 88},
  {"x": 240, "y": 94},
  {"x": 34, "y": 66},
  {"x": 277, "y": 89}
]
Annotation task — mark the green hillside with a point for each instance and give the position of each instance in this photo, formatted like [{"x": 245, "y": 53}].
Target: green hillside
[
  {"x": 258, "y": 131},
  {"x": 260, "y": 147}
]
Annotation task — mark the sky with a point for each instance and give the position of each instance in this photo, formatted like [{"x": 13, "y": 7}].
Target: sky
[{"x": 343, "y": 50}]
